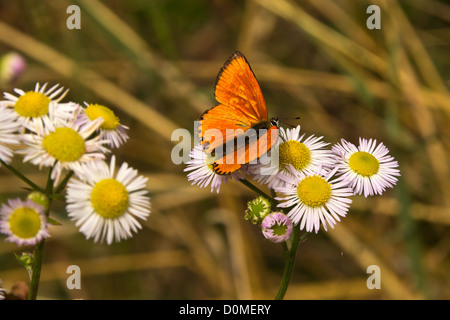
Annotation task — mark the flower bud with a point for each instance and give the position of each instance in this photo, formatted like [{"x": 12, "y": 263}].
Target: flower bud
[
  {"x": 277, "y": 227},
  {"x": 39, "y": 198},
  {"x": 26, "y": 259},
  {"x": 257, "y": 209},
  {"x": 12, "y": 65}
]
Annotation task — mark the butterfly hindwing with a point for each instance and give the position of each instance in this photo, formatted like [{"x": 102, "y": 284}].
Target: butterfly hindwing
[
  {"x": 244, "y": 147},
  {"x": 255, "y": 149}
]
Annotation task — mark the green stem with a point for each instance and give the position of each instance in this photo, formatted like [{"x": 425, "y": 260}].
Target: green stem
[
  {"x": 49, "y": 186},
  {"x": 39, "y": 251},
  {"x": 289, "y": 253},
  {"x": 63, "y": 183},
  {"x": 289, "y": 257},
  {"x": 36, "y": 274},
  {"x": 257, "y": 190},
  {"x": 22, "y": 177}
]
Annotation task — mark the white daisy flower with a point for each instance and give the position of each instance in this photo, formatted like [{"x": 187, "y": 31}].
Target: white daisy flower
[
  {"x": 105, "y": 204},
  {"x": 202, "y": 173},
  {"x": 63, "y": 145},
  {"x": 368, "y": 168},
  {"x": 111, "y": 129},
  {"x": 23, "y": 221},
  {"x": 304, "y": 155},
  {"x": 33, "y": 107},
  {"x": 314, "y": 199},
  {"x": 9, "y": 128}
]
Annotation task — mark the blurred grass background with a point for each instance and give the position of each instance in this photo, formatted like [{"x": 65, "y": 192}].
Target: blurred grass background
[{"x": 155, "y": 62}]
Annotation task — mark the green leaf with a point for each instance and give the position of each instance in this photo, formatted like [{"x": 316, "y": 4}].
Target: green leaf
[{"x": 53, "y": 222}]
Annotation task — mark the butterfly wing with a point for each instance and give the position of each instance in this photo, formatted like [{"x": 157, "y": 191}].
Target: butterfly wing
[
  {"x": 245, "y": 149},
  {"x": 266, "y": 138},
  {"x": 224, "y": 168},
  {"x": 242, "y": 104},
  {"x": 236, "y": 86},
  {"x": 215, "y": 123},
  {"x": 242, "y": 107}
]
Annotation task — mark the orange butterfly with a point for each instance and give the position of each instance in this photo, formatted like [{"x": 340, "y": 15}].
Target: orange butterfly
[{"x": 237, "y": 131}]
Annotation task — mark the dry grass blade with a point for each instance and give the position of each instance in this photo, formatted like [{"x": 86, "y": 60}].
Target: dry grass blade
[
  {"x": 438, "y": 214},
  {"x": 408, "y": 81},
  {"x": 365, "y": 257},
  {"x": 326, "y": 36},
  {"x": 93, "y": 81},
  {"x": 176, "y": 83},
  {"x": 339, "y": 289},
  {"x": 414, "y": 45},
  {"x": 336, "y": 12},
  {"x": 317, "y": 59},
  {"x": 110, "y": 264}
]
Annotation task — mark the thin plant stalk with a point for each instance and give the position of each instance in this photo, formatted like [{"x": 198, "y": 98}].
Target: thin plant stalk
[
  {"x": 36, "y": 272},
  {"x": 289, "y": 251},
  {"x": 18, "y": 174},
  {"x": 289, "y": 254},
  {"x": 39, "y": 250},
  {"x": 257, "y": 190}
]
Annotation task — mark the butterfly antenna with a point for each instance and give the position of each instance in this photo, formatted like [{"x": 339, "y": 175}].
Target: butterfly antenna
[{"x": 288, "y": 124}]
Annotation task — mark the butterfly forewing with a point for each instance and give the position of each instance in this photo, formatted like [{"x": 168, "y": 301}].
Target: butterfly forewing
[
  {"x": 237, "y": 87},
  {"x": 237, "y": 130},
  {"x": 217, "y": 122}
]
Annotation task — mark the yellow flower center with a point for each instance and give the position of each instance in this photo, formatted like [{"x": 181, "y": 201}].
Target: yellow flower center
[
  {"x": 364, "y": 163},
  {"x": 294, "y": 153},
  {"x": 109, "y": 198},
  {"x": 25, "y": 223},
  {"x": 32, "y": 104},
  {"x": 110, "y": 121},
  {"x": 314, "y": 191},
  {"x": 64, "y": 144}
]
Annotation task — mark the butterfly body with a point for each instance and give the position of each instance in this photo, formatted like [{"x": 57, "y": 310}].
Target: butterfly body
[{"x": 237, "y": 130}]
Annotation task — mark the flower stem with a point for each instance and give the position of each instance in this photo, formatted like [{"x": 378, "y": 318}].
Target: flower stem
[
  {"x": 63, "y": 183},
  {"x": 36, "y": 274},
  {"x": 289, "y": 258},
  {"x": 39, "y": 251},
  {"x": 22, "y": 177},
  {"x": 289, "y": 252},
  {"x": 257, "y": 190}
]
